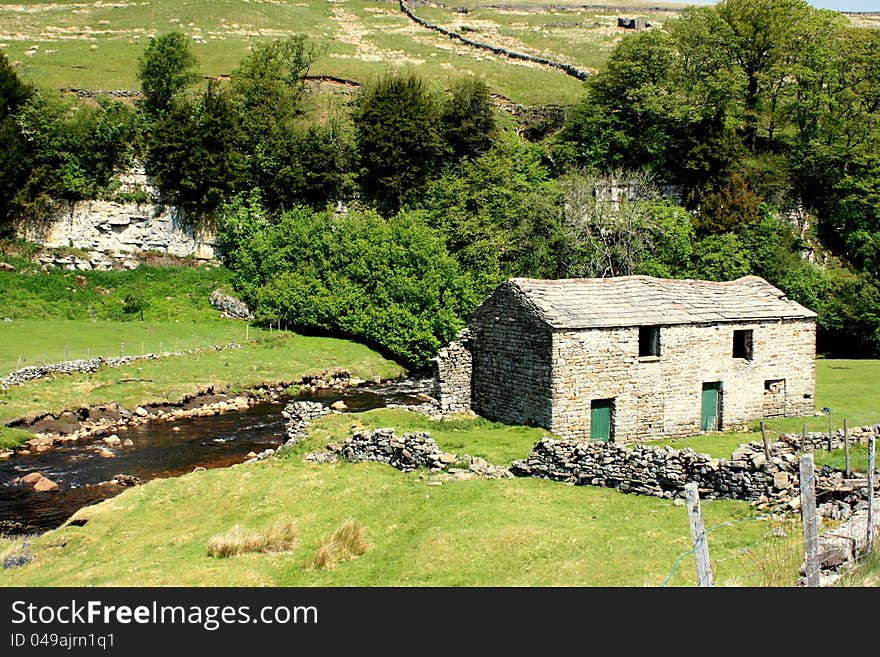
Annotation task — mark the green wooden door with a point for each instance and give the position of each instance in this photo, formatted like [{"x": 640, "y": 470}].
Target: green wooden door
[
  {"x": 709, "y": 410},
  {"x": 600, "y": 419}
]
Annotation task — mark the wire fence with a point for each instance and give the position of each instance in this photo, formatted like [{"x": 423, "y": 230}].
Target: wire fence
[{"x": 843, "y": 540}]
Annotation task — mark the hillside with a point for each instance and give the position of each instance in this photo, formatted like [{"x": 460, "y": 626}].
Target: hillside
[{"x": 95, "y": 46}]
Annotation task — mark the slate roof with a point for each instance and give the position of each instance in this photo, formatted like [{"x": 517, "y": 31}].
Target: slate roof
[{"x": 575, "y": 303}]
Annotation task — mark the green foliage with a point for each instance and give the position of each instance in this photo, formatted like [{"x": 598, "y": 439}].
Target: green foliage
[
  {"x": 719, "y": 257},
  {"x": 165, "y": 70},
  {"x": 268, "y": 88},
  {"x": 498, "y": 214},
  {"x": 467, "y": 119},
  {"x": 193, "y": 154},
  {"x": 398, "y": 141},
  {"x": 389, "y": 283},
  {"x": 13, "y": 160}
]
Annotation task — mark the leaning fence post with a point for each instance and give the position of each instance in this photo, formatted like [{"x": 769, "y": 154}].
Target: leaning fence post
[
  {"x": 809, "y": 519},
  {"x": 869, "y": 544},
  {"x": 698, "y": 535},
  {"x": 766, "y": 442},
  {"x": 846, "y": 447}
]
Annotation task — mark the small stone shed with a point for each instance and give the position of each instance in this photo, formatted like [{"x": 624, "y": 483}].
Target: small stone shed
[{"x": 632, "y": 358}]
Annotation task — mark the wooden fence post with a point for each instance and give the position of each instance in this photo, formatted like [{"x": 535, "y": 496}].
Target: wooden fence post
[
  {"x": 870, "y": 542},
  {"x": 698, "y": 535},
  {"x": 809, "y": 519},
  {"x": 766, "y": 442}
]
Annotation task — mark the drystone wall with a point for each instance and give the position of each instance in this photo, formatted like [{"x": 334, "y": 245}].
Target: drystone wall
[
  {"x": 663, "y": 471},
  {"x": 573, "y": 71},
  {"x": 82, "y": 366}
]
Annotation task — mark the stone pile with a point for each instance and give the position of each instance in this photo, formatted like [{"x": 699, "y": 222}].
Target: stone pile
[
  {"x": 406, "y": 452},
  {"x": 230, "y": 306},
  {"x": 297, "y": 415}
]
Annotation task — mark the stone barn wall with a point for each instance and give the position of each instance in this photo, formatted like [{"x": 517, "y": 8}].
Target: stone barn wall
[
  {"x": 657, "y": 396},
  {"x": 512, "y": 356}
]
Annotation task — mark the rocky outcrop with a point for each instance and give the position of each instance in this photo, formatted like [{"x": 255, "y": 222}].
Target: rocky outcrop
[
  {"x": 112, "y": 234},
  {"x": 229, "y": 306}
]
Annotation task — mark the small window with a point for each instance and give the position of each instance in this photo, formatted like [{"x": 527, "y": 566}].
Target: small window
[
  {"x": 774, "y": 385},
  {"x": 649, "y": 341},
  {"x": 742, "y": 344}
]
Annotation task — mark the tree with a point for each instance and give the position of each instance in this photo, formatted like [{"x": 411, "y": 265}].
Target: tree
[
  {"x": 268, "y": 86},
  {"x": 468, "y": 123},
  {"x": 397, "y": 140},
  {"x": 14, "y": 157},
  {"x": 165, "y": 70},
  {"x": 498, "y": 214},
  {"x": 618, "y": 225},
  {"x": 389, "y": 283},
  {"x": 193, "y": 154},
  {"x": 763, "y": 38}
]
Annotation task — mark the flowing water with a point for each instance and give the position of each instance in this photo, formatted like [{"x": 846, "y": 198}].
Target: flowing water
[{"x": 160, "y": 451}]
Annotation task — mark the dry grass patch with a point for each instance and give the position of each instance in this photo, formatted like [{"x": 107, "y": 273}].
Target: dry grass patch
[
  {"x": 280, "y": 537},
  {"x": 346, "y": 542}
]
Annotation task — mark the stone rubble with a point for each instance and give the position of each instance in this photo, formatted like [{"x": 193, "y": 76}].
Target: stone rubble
[
  {"x": 229, "y": 306},
  {"x": 407, "y": 453}
]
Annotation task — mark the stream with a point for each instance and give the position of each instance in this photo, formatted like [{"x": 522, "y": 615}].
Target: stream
[{"x": 161, "y": 451}]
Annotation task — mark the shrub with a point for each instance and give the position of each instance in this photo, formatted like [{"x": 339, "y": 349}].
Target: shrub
[{"x": 389, "y": 283}]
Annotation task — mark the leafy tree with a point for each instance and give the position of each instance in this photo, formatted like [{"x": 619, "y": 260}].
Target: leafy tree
[
  {"x": 14, "y": 156},
  {"x": 268, "y": 87},
  {"x": 388, "y": 283},
  {"x": 193, "y": 154},
  {"x": 719, "y": 257},
  {"x": 727, "y": 206},
  {"x": 468, "y": 122},
  {"x": 498, "y": 214},
  {"x": 397, "y": 140},
  {"x": 165, "y": 70}
]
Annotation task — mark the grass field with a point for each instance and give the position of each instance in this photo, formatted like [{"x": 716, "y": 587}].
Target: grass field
[
  {"x": 281, "y": 357},
  {"x": 519, "y": 532},
  {"x": 96, "y": 46}
]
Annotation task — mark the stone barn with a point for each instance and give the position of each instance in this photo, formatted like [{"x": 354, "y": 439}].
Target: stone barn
[{"x": 632, "y": 358}]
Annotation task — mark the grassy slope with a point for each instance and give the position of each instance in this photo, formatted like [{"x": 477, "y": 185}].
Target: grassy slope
[
  {"x": 501, "y": 532},
  {"x": 178, "y": 315},
  {"x": 97, "y": 47}
]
